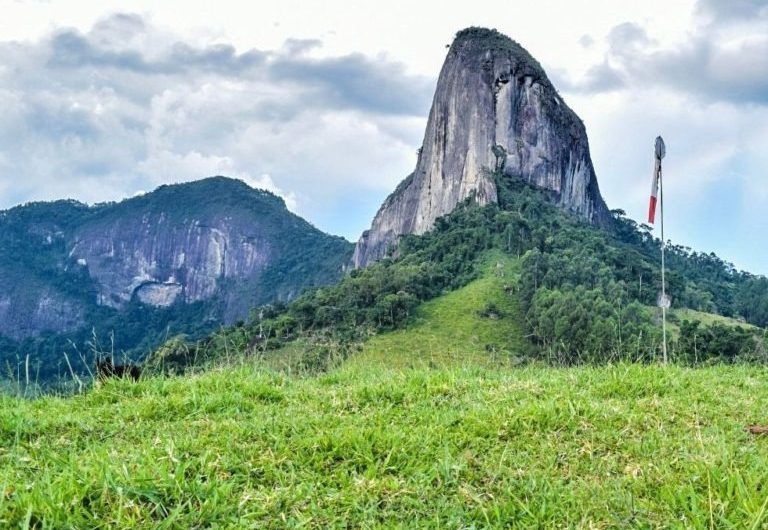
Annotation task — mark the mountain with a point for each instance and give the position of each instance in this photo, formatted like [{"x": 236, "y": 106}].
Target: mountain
[
  {"x": 494, "y": 109},
  {"x": 416, "y": 392},
  {"x": 419, "y": 416},
  {"x": 504, "y": 182},
  {"x": 517, "y": 279},
  {"x": 187, "y": 256}
]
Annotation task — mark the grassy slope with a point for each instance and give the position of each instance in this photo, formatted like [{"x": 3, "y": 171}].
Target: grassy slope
[
  {"x": 706, "y": 319},
  {"x": 446, "y": 330},
  {"x": 421, "y": 429},
  {"x": 709, "y": 318},
  {"x": 450, "y": 329}
]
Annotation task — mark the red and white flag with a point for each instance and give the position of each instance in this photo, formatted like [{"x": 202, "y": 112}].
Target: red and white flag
[
  {"x": 654, "y": 191},
  {"x": 660, "y": 150}
]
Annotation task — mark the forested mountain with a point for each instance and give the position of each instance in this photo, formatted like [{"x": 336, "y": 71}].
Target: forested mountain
[
  {"x": 185, "y": 258},
  {"x": 586, "y": 294},
  {"x": 505, "y": 166}
]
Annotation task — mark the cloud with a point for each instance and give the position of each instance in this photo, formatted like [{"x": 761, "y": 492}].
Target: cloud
[
  {"x": 730, "y": 10},
  {"x": 357, "y": 82},
  {"x": 600, "y": 78},
  {"x": 265, "y": 182},
  {"x": 628, "y": 36},
  {"x": 707, "y": 94},
  {"x": 587, "y": 41},
  {"x": 722, "y": 59},
  {"x": 125, "y": 106},
  {"x": 301, "y": 46}
]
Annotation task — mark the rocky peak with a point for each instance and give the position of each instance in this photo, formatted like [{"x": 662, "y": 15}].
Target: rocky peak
[{"x": 494, "y": 109}]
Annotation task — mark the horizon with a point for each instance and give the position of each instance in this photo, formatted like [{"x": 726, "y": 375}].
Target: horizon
[{"x": 193, "y": 98}]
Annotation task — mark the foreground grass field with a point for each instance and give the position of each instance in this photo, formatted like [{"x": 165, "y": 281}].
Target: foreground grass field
[{"x": 446, "y": 447}]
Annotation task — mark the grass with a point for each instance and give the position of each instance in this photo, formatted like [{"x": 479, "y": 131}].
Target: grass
[
  {"x": 450, "y": 447},
  {"x": 708, "y": 319},
  {"x": 452, "y": 328},
  {"x": 430, "y": 427},
  {"x": 676, "y": 316}
]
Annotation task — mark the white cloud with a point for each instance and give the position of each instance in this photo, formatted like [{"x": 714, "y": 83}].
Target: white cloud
[
  {"x": 706, "y": 93},
  {"x": 125, "y": 106},
  {"x": 265, "y": 182}
]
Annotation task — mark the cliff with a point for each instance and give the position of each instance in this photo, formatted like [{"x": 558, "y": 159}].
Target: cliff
[
  {"x": 205, "y": 252},
  {"x": 494, "y": 109}
]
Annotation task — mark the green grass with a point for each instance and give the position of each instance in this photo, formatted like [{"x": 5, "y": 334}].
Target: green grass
[
  {"x": 708, "y": 319},
  {"x": 452, "y": 329},
  {"x": 450, "y": 447},
  {"x": 429, "y": 427},
  {"x": 676, "y": 316}
]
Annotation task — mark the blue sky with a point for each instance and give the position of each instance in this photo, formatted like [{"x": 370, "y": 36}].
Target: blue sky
[{"x": 325, "y": 103}]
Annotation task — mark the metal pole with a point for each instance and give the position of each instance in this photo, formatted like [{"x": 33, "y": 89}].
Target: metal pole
[{"x": 663, "y": 270}]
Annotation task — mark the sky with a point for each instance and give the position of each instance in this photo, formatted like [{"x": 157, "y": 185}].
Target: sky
[{"x": 325, "y": 102}]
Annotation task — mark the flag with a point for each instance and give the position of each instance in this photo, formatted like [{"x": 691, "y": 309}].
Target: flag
[
  {"x": 659, "y": 150},
  {"x": 654, "y": 191}
]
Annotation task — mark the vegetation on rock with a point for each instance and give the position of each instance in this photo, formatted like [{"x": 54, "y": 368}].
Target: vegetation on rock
[{"x": 584, "y": 294}]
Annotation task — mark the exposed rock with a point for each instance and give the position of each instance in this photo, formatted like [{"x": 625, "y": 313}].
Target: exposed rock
[
  {"x": 159, "y": 294},
  {"x": 494, "y": 108},
  {"x": 216, "y": 242},
  {"x": 141, "y": 249},
  {"x": 28, "y": 311}
]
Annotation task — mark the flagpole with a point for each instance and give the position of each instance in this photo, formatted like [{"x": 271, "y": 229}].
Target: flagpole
[
  {"x": 663, "y": 270},
  {"x": 657, "y": 188}
]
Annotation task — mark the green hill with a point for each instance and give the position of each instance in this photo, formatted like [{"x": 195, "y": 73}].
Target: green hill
[
  {"x": 572, "y": 294},
  {"x": 480, "y": 322}
]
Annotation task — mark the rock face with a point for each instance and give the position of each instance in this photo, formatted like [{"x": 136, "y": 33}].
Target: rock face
[
  {"x": 25, "y": 313},
  {"x": 216, "y": 245},
  {"x": 159, "y": 294},
  {"x": 161, "y": 260},
  {"x": 494, "y": 109}
]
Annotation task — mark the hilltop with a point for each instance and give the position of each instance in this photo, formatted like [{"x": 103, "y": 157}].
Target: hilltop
[{"x": 448, "y": 443}]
